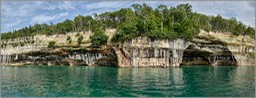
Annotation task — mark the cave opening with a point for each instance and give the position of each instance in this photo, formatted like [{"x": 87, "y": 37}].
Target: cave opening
[{"x": 194, "y": 55}]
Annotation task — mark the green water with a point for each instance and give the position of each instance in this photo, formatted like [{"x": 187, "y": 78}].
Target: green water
[{"x": 35, "y": 81}]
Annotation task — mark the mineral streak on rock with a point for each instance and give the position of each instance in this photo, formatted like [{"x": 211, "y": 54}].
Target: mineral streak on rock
[{"x": 207, "y": 48}]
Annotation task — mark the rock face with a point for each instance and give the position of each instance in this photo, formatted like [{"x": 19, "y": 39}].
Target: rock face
[
  {"x": 85, "y": 58},
  {"x": 203, "y": 52},
  {"x": 7, "y": 59},
  {"x": 40, "y": 42},
  {"x": 207, "y": 48},
  {"x": 143, "y": 52},
  {"x": 36, "y": 52},
  {"x": 243, "y": 54},
  {"x": 239, "y": 48}
]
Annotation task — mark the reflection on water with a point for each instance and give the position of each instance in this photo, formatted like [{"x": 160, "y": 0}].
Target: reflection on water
[
  {"x": 149, "y": 81},
  {"x": 110, "y": 81}
]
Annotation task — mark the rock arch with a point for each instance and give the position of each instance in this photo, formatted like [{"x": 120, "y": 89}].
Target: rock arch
[{"x": 208, "y": 54}]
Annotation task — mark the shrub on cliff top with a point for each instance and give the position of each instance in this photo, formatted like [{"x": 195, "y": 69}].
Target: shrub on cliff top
[
  {"x": 69, "y": 40},
  {"x": 99, "y": 38},
  {"x": 163, "y": 22},
  {"x": 51, "y": 44},
  {"x": 79, "y": 40}
]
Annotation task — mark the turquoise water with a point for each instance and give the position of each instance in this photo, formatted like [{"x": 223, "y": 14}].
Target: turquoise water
[{"x": 35, "y": 81}]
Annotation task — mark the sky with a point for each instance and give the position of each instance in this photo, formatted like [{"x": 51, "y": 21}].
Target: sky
[{"x": 18, "y": 14}]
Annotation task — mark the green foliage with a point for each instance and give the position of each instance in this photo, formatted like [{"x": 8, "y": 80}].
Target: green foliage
[
  {"x": 79, "y": 22},
  {"x": 157, "y": 24},
  {"x": 162, "y": 22},
  {"x": 69, "y": 39},
  {"x": 3, "y": 45},
  {"x": 99, "y": 38},
  {"x": 125, "y": 29},
  {"x": 22, "y": 44},
  {"x": 14, "y": 44},
  {"x": 79, "y": 40},
  {"x": 70, "y": 50},
  {"x": 51, "y": 44},
  {"x": 64, "y": 27},
  {"x": 250, "y": 31}
]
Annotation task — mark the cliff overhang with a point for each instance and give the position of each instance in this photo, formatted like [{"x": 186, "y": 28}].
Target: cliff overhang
[{"x": 207, "y": 48}]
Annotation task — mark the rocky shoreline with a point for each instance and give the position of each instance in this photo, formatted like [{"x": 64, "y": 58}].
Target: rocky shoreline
[{"x": 208, "y": 48}]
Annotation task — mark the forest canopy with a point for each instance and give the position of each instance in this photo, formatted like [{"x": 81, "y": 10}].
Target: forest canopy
[{"x": 163, "y": 22}]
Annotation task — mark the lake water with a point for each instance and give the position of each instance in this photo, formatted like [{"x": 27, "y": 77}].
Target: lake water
[{"x": 35, "y": 81}]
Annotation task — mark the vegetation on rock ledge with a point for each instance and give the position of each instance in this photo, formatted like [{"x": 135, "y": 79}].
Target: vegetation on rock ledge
[
  {"x": 99, "y": 38},
  {"x": 163, "y": 22},
  {"x": 51, "y": 44}
]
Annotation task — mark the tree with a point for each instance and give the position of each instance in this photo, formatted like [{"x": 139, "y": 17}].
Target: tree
[
  {"x": 99, "y": 38},
  {"x": 239, "y": 29},
  {"x": 64, "y": 27},
  {"x": 250, "y": 31},
  {"x": 186, "y": 7},
  {"x": 69, "y": 39},
  {"x": 126, "y": 31},
  {"x": 22, "y": 44},
  {"x": 163, "y": 9},
  {"x": 79, "y": 40},
  {"x": 79, "y": 22},
  {"x": 51, "y": 44},
  {"x": 140, "y": 20},
  {"x": 137, "y": 8}
]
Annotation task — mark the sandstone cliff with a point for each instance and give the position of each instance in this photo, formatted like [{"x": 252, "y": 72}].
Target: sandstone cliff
[
  {"x": 38, "y": 53},
  {"x": 207, "y": 48}
]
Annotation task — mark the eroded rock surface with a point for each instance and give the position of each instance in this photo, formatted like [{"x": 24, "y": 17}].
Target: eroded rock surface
[
  {"x": 144, "y": 52},
  {"x": 207, "y": 48}
]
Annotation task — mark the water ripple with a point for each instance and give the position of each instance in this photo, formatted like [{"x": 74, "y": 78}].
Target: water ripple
[{"x": 54, "y": 81}]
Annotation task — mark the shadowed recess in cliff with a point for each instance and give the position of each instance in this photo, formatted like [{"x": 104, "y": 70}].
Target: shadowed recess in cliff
[
  {"x": 84, "y": 57},
  {"x": 208, "y": 54}
]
